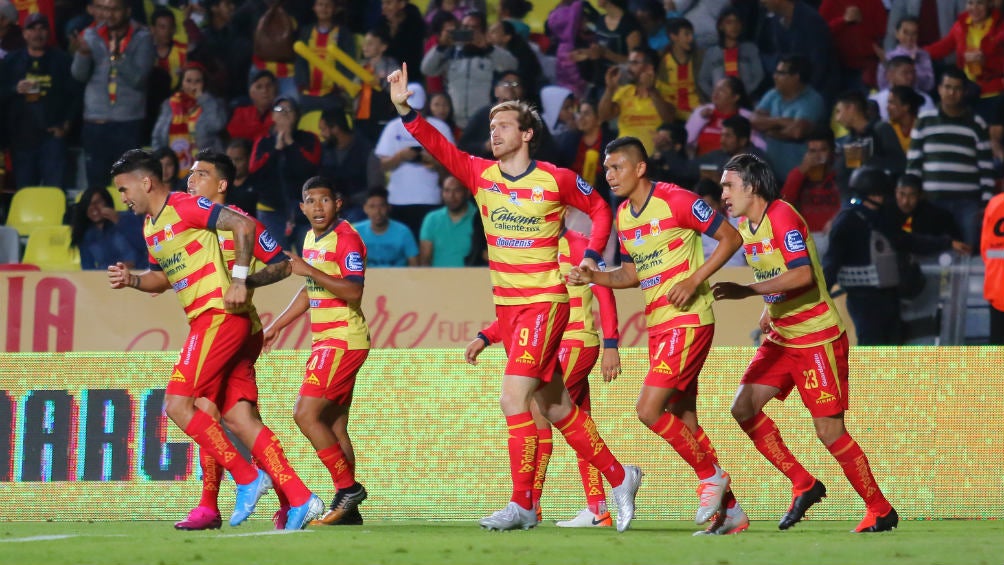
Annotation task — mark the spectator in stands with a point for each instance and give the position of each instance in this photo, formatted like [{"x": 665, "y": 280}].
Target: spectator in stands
[
  {"x": 638, "y": 106},
  {"x": 437, "y": 7},
  {"x": 976, "y": 38},
  {"x": 676, "y": 74},
  {"x": 733, "y": 140},
  {"x": 797, "y": 27},
  {"x": 389, "y": 243},
  {"x": 224, "y": 49},
  {"x": 503, "y": 34},
  {"x": 668, "y": 162},
  {"x": 992, "y": 249},
  {"x": 862, "y": 143},
  {"x": 281, "y": 162},
  {"x": 913, "y": 213},
  {"x": 169, "y": 169},
  {"x": 469, "y": 66},
  {"x": 907, "y": 32},
  {"x": 950, "y": 152},
  {"x": 730, "y": 57},
  {"x": 413, "y": 185},
  {"x": 513, "y": 11},
  {"x": 900, "y": 71},
  {"x": 935, "y": 19},
  {"x": 704, "y": 127},
  {"x": 615, "y": 34},
  {"x": 318, "y": 91},
  {"x": 445, "y": 239},
  {"x": 442, "y": 23},
  {"x": 373, "y": 108},
  {"x": 11, "y": 36},
  {"x": 475, "y": 139},
  {"x": 564, "y": 24},
  {"x": 711, "y": 192},
  {"x": 441, "y": 106},
  {"x": 581, "y": 148},
  {"x": 38, "y": 97},
  {"x": 114, "y": 61},
  {"x": 811, "y": 187},
  {"x": 858, "y": 29},
  {"x": 903, "y": 108},
  {"x": 266, "y": 57},
  {"x": 190, "y": 120},
  {"x": 242, "y": 193},
  {"x": 402, "y": 22},
  {"x": 172, "y": 57},
  {"x": 348, "y": 160},
  {"x": 651, "y": 16},
  {"x": 557, "y": 109},
  {"x": 254, "y": 119},
  {"x": 103, "y": 236},
  {"x": 788, "y": 112}
]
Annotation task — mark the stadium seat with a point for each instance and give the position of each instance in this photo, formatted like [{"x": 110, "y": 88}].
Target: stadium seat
[
  {"x": 36, "y": 206},
  {"x": 311, "y": 122},
  {"x": 49, "y": 248},
  {"x": 10, "y": 245}
]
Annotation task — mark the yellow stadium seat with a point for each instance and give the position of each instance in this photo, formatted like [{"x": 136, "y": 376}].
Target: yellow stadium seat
[
  {"x": 311, "y": 121},
  {"x": 49, "y": 248},
  {"x": 36, "y": 206}
]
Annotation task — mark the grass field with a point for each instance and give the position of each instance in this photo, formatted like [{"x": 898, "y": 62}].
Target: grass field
[{"x": 446, "y": 543}]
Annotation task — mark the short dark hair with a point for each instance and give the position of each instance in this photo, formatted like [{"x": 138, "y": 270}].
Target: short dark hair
[
  {"x": 629, "y": 144},
  {"x": 911, "y": 181},
  {"x": 953, "y": 72},
  {"x": 336, "y": 117},
  {"x": 138, "y": 160},
  {"x": 899, "y": 61},
  {"x": 322, "y": 182},
  {"x": 798, "y": 65},
  {"x": 821, "y": 133},
  {"x": 739, "y": 125},
  {"x": 651, "y": 57},
  {"x": 169, "y": 153},
  {"x": 907, "y": 95},
  {"x": 377, "y": 192},
  {"x": 241, "y": 143},
  {"x": 739, "y": 89},
  {"x": 224, "y": 164},
  {"x": 726, "y": 12},
  {"x": 907, "y": 19},
  {"x": 854, "y": 98},
  {"x": 517, "y": 8},
  {"x": 162, "y": 12},
  {"x": 439, "y": 20},
  {"x": 756, "y": 173},
  {"x": 383, "y": 34},
  {"x": 481, "y": 17},
  {"x": 708, "y": 187},
  {"x": 674, "y": 25}
]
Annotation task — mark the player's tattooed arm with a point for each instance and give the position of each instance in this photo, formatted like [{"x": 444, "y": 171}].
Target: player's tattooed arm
[
  {"x": 270, "y": 274},
  {"x": 243, "y": 229}
]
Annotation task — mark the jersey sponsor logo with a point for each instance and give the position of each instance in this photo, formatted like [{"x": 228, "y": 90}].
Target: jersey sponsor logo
[
  {"x": 504, "y": 220},
  {"x": 312, "y": 380},
  {"x": 651, "y": 281},
  {"x": 663, "y": 367},
  {"x": 537, "y": 195},
  {"x": 204, "y": 203},
  {"x": 702, "y": 211},
  {"x": 267, "y": 242},
  {"x": 763, "y": 275},
  {"x": 177, "y": 377},
  {"x": 526, "y": 358},
  {"x": 793, "y": 241},
  {"x": 180, "y": 285},
  {"x": 354, "y": 262},
  {"x": 775, "y": 298},
  {"x": 653, "y": 227},
  {"x": 825, "y": 397},
  {"x": 514, "y": 243},
  {"x": 583, "y": 186},
  {"x": 168, "y": 263},
  {"x": 643, "y": 260}
]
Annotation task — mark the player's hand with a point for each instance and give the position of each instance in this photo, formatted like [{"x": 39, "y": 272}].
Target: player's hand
[
  {"x": 765, "y": 322},
  {"x": 731, "y": 291},
  {"x": 299, "y": 266},
  {"x": 399, "y": 93},
  {"x": 270, "y": 335},
  {"x": 590, "y": 264},
  {"x": 118, "y": 275},
  {"x": 613, "y": 77},
  {"x": 682, "y": 292},
  {"x": 236, "y": 296},
  {"x": 474, "y": 349},
  {"x": 610, "y": 365},
  {"x": 579, "y": 276}
]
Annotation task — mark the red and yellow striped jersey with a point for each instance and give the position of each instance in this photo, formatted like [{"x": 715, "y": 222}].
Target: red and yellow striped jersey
[
  {"x": 678, "y": 85},
  {"x": 663, "y": 240},
  {"x": 581, "y": 324},
  {"x": 322, "y": 43},
  {"x": 522, "y": 216},
  {"x": 805, "y": 317},
  {"x": 266, "y": 252},
  {"x": 174, "y": 61},
  {"x": 339, "y": 253}
]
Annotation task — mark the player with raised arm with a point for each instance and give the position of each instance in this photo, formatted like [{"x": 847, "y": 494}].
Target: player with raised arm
[
  {"x": 805, "y": 346},
  {"x": 334, "y": 265},
  {"x": 659, "y": 227},
  {"x": 577, "y": 354},
  {"x": 185, "y": 254},
  {"x": 522, "y": 204}
]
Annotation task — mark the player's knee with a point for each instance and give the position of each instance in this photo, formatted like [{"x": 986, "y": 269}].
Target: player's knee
[
  {"x": 741, "y": 412},
  {"x": 647, "y": 415}
]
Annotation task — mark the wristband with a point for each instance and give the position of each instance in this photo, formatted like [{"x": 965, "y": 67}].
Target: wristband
[
  {"x": 484, "y": 338},
  {"x": 240, "y": 272}
]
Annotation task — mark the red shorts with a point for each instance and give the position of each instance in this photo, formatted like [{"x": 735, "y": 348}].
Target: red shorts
[
  {"x": 819, "y": 372},
  {"x": 677, "y": 356},
  {"x": 331, "y": 373},
  {"x": 531, "y": 334},
  {"x": 577, "y": 362},
  {"x": 218, "y": 345}
]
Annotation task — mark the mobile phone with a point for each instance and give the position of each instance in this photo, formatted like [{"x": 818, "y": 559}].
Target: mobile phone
[{"x": 461, "y": 35}]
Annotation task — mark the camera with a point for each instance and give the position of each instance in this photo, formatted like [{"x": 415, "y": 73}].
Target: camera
[{"x": 461, "y": 35}]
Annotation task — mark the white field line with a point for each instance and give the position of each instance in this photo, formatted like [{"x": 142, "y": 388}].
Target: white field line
[
  {"x": 268, "y": 533},
  {"x": 38, "y": 538}
]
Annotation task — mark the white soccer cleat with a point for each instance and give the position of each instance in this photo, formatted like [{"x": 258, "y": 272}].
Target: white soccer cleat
[
  {"x": 624, "y": 495},
  {"x": 586, "y": 519},
  {"x": 710, "y": 492},
  {"x": 512, "y": 517},
  {"x": 729, "y": 521}
]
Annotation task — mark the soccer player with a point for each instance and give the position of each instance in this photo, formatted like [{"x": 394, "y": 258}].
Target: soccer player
[
  {"x": 577, "y": 355},
  {"x": 334, "y": 264},
  {"x": 522, "y": 204},
  {"x": 805, "y": 345},
  {"x": 659, "y": 227},
  {"x": 185, "y": 254}
]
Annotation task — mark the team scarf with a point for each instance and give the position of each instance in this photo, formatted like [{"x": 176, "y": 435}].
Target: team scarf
[{"x": 113, "y": 72}]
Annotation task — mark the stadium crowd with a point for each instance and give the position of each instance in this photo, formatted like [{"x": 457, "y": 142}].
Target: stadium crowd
[{"x": 817, "y": 89}]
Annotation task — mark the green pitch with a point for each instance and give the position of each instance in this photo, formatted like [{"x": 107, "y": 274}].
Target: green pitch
[{"x": 447, "y": 543}]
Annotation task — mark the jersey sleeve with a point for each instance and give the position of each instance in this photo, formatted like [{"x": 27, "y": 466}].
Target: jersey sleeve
[
  {"x": 351, "y": 255},
  {"x": 791, "y": 232},
  {"x": 691, "y": 211},
  {"x": 461, "y": 165},
  {"x": 492, "y": 332},
  {"x": 608, "y": 315},
  {"x": 266, "y": 248},
  {"x": 578, "y": 193},
  {"x": 199, "y": 212}
]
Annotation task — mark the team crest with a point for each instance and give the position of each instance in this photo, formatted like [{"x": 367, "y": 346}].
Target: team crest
[
  {"x": 766, "y": 246},
  {"x": 537, "y": 195},
  {"x": 653, "y": 227},
  {"x": 168, "y": 232}
]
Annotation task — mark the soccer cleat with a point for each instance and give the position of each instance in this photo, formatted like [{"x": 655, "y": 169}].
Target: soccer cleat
[
  {"x": 351, "y": 518},
  {"x": 247, "y": 497},
  {"x": 279, "y": 518},
  {"x": 512, "y": 517},
  {"x": 800, "y": 503},
  {"x": 726, "y": 522},
  {"x": 586, "y": 519},
  {"x": 539, "y": 512},
  {"x": 710, "y": 492},
  {"x": 200, "y": 518},
  {"x": 875, "y": 523},
  {"x": 345, "y": 500},
  {"x": 299, "y": 516},
  {"x": 624, "y": 495}
]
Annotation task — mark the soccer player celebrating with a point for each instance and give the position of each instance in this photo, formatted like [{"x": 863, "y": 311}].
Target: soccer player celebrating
[
  {"x": 522, "y": 204},
  {"x": 577, "y": 355},
  {"x": 659, "y": 227},
  {"x": 805, "y": 346},
  {"x": 185, "y": 254},
  {"x": 334, "y": 264}
]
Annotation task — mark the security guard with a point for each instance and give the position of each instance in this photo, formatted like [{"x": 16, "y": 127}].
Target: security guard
[{"x": 992, "y": 249}]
